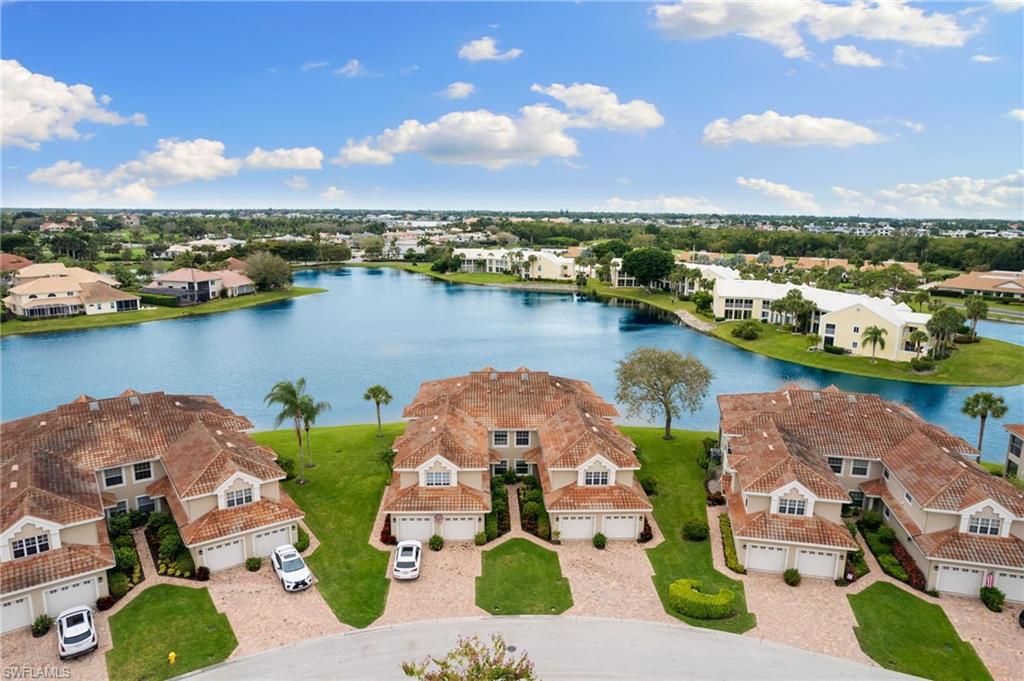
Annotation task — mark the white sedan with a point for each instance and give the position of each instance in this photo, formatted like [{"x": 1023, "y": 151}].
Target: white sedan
[
  {"x": 290, "y": 568},
  {"x": 76, "y": 632},
  {"x": 407, "y": 559}
]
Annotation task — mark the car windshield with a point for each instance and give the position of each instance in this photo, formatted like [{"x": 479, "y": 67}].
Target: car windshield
[
  {"x": 78, "y": 638},
  {"x": 292, "y": 563},
  {"x": 406, "y": 558}
]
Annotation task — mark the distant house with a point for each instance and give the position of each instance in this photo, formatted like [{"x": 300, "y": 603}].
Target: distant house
[
  {"x": 11, "y": 263},
  {"x": 998, "y": 283},
  {"x": 49, "y": 226},
  {"x": 911, "y": 267},
  {"x": 235, "y": 283},
  {"x": 532, "y": 264},
  {"x": 620, "y": 278},
  {"x": 807, "y": 263},
  {"x": 236, "y": 265},
  {"x": 777, "y": 262},
  {"x": 56, "y": 270},
  {"x": 188, "y": 284},
  {"x": 65, "y": 296}
]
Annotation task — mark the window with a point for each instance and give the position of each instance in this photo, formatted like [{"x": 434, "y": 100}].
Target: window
[
  {"x": 885, "y": 472},
  {"x": 595, "y": 478},
  {"x": 886, "y": 512},
  {"x": 522, "y": 468},
  {"x": 30, "y": 546},
  {"x": 859, "y": 468},
  {"x": 438, "y": 478},
  {"x": 142, "y": 471},
  {"x": 522, "y": 438},
  {"x": 984, "y": 526},
  {"x": 908, "y": 498},
  {"x": 856, "y": 498},
  {"x": 1015, "y": 445},
  {"x": 836, "y": 464},
  {"x": 145, "y": 504},
  {"x": 856, "y": 329},
  {"x": 239, "y": 497},
  {"x": 500, "y": 438},
  {"x": 501, "y": 467},
  {"x": 792, "y": 506},
  {"x": 830, "y": 329},
  {"x": 113, "y": 477},
  {"x": 855, "y": 344}
]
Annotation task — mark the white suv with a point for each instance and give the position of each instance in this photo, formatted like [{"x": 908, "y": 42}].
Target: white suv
[
  {"x": 407, "y": 559},
  {"x": 290, "y": 568},
  {"x": 76, "y": 632}
]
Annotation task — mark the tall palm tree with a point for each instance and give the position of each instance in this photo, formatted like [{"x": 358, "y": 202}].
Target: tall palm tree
[
  {"x": 921, "y": 297},
  {"x": 875, "y": 337},
  {"x": 918, "y": 338},
  {"x": 379, "y": 395},
  {"x": 981, "y": 406},
  {"x": 289, "y": 396},
  {"x": 976, "y": 308},
  {"x": 310, "y": 410}
]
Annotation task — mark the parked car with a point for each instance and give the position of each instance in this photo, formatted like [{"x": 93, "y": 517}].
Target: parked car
[
  {"x": 290, "y": 568},
  {"x": 407, "y": 559},
  {"x": 76, "y": 632}
]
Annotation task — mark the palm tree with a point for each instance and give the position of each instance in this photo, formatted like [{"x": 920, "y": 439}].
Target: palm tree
[
  {"x": 875, "y": 337},
  {"x": 289, "y": 396},
  {"x": 921, "y": 297},
  {"x": 310, "y": 410},
  {"x": 918, "y": 338},
  {"x": 981, "y": 406},
  {"x": 976, "y": 308},
  {"x": 379, "y": 395}
]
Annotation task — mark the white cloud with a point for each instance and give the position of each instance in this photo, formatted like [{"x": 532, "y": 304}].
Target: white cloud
[
  {"x": 311, "y": 65},
  {"x": 297, "y": 158},
  {"x": 801, "y": 201},
  {"x": 984, "y": 58},
  {"x": 333, "y": 193},
  {"x": 353, "y": 68},
  {"x": 662, "y": 204},
  {"x": 134, "y": 193},
  {"x": 35, "y": 108},
  {"x": 849, "y": 55},
  {"x": 953, "y": 196},
  {"x": 781, "y": 23},
  {"x": 360, "y": 152},
  {"x": 297, "y": 182},
  {"x": 486, "y": 49},
  {"x": 68, "y": 175},
  {"x": 601, "y": 107},
  {"x": 1017, "y": 114},
  {"x": 913, "y": 126},
  {"x": 459, "y": 90},
  {"x": 1008, "y": 5},
  {"x": 800, "y": 130}
]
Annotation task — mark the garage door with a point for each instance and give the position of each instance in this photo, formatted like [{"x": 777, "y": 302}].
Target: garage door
[
  {"x": 60, "y": 598},
  {"x": 767, "y": 558},
  {"x": 576, "y": 526},
  {"x": 620, "y": 526},
  {"x": 15, "y": 614},
  {"x": 959, "y": 580},
  {"x": 413, "y": 527},
  {"x": 458, "y": 528},
  {"x": 812, "y": 563},
  {"x": 1011, "y": 584},
  {"x": 267, "y": 541},
  {"x": 224, "y": 555}
]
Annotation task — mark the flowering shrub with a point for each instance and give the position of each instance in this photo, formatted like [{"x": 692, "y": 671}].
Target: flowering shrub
[{"x": 915, "y": 577}]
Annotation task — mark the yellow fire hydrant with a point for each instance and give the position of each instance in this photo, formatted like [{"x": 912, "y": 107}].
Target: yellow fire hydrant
[{"x": 171, "y": 657}]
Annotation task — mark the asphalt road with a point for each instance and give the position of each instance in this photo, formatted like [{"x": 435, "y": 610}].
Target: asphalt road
[{"x": 560, "y": 647}]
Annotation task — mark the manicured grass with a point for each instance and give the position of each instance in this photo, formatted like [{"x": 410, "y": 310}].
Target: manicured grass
[
  {"x": 680, "y": 497},
  {"x": 522, "y": 578},
  {"x": 998, "y": 469},
  {"x": 988, "y": 363},
  {"x": 341, "y": 502},
  {"x": 79, "y": 322},
  {"x": 162, "y": 619},
  {"x": 903, "y": 633},
  {"x": 453, "y": 277},
  {"x": 658, "y": 299}
]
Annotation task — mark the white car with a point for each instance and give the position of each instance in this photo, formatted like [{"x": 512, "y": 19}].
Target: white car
[
  {"x": 76, "y": 632},
  {"x": 290, "y": 568},
  {"x": 407, "y": 559}
]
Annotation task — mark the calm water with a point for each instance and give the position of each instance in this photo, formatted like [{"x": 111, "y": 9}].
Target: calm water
[{"x": 398, "y": 329}]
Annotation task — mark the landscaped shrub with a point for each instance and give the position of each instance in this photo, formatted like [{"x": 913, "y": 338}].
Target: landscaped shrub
[
  {"x": 715, "y": 499},
  {"x": 253, "y": 564},
  {"x": 302, "y": 543},
  {"x": 118, "y": 584},
  {"x": 921, "y": 364},
  {"x": 159, "y": 299},
  {"x": 480, "y": 538},
  {"x": 118, "y": 524},
  {"x": 158, "y": 520},
  {"x": 599, "y": 541},
  {"x": 530, "y": 482},
  {"x": 531, "y": 509},
  {"x": 171, "y": 545},
  {"x": 41, "y": 627},
  {"x": 729, "y": 545},
  {"x": 834, "y": 350},
  {"x": 892, "y": 567},
  {"x": 871, "y": 520},
  {"x": 510, "y": 477},
  {"x": 288, "y": 466},
  {"x": 126, "y": 559},
  {"x": 137, "y": 518},
  {"x": 436, "y": 542},
  {"x": 852, "y": 527},
  {"x": 650, "y": 486},
  {"x": 646, "y": 534},
  {"x": 125, "y": 541},
  {"x": 491, "y": 527},
  {"x": 791, "y": 577},
  {"x": 886, "y": 535},
  {"x": 184, "y": 565},
  {"x": 993, "y": 598},
  {"x": 202, "y": 573},
  {"x": 695, "y": 530},
  {"x": 856, "y": 564},
  {"x": 385, "y": 533},
  {"x": 685, "y": 597},
  {"x": 104, "y": 603},
  {"x": 544, "y": 527},
  {"x": 915, "y": 577},
  {"x": 747, "y": 330}
]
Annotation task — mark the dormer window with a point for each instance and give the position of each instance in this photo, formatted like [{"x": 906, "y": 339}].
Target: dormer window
[
  {"x": 792, "y": 506},
  {"x": 988, "y": 526},
  {"x": 438, "y": 478},
  {"x": 500, "y": 438},
  {"x": 595, "y": 478},
  {"x": 238, "y": 497},
  {"x": 30, "y": 546}
]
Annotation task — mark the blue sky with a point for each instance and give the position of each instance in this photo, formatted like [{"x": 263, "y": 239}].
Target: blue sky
[{"x": 905, "y": 109}]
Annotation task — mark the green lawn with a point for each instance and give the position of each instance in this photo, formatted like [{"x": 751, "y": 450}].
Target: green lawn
[
  {"x": 903, "y": 633},
  {"x": 341, "y": 502},
  {"x": 453, "y": 277},
  {"x": 78, "y": 322},
  {"x": 522, "y": 578},
  {"x": 681, "y": 496},
  {"x": 988, "y": 363},
  {"x": 998, "y": 470},
  {"x": 658, "y": 299},
  {"x": 166, "y": 618}
]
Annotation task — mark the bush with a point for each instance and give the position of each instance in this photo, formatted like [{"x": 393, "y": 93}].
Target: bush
[
  {"x": 491, "y": 527},
  {"x": 184, "y": 564},
  {"x": 158, "y": 520},
  {"x": 202, "y": 573},
  {"x": 41, "y": 627},
  {"x": 302, "y": 543},
  {"x": 791, "y": 577},
  {"x": 170, "y": 546},
  {"x": 118, "y": 584},
  {"x": 834, "y": 350},
  {"x": 922, "y": 364},
  {"x": 856, "y": 564},
  {"x": 729, "y": 545},
  {"x": 695, "y": 530},
  {"x": 871, "y": 520},
  {"x": 715, "y": 499},
  {"x": 599, "y": 541},
  {"x": 993, "y": 598},
  {"x": 137, "y": 518},
  {"x": 104, "y": 603},
  {"x": 646, "y": 534},
  {"x": 158, "y": 299},
  {"x": 531, "y": 509},
  {"x": 544, "y": 527},
  {"x": 748, "y": 329},
  {"x": 685, "y": 597},
  {"x": 886, "y": 535},
  {"x": 650, "y": 486},
  {"x": 253, "y": 564},
  {"x": 509, "y": 477},
  {"x": 480, "y": 538},
  {"x": 892, "y": 567},
  {"x": 119, "y": 524},
  {"x": 531, "y": 482},
  {"x": 126, "y": 559},
  {"x": 125, "y": 541},
  {"x": 288, "y": 466},
  {"x": 436, "y": 542}
]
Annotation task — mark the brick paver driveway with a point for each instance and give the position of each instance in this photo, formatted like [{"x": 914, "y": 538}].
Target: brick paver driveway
[{"x": 446, "y": 587}]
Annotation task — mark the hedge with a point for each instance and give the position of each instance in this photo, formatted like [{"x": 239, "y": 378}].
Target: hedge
[
  {"x": 159, "y": 299},
  {"x": 685, "y": 597},
  {"x": 729, "y": 545}
]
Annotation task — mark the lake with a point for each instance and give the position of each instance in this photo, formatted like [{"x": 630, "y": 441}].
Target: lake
[{"x": 399, "y": 329}]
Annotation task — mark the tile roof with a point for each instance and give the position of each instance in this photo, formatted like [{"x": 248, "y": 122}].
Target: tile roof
[
  {"x": 233, "y": 278},
  {"x": 67, "y": 561},
  {"x": 202, "y": 458},
  {"x": 98, "y": 292},
  {"x": 972, "y": 548},
  {"x": 459, "y": 498},
  {"x": 49, "y": 488},
  {"x": 1015, "y": 428},
  {"x": 221, "y": 523},
  {"x": 187, "y": 274},
  {"x": 878, "y": 488},
  {"x": 236, "y": 265},
  {"x": 995, "y": 281},
  {"x": 597, "y": 498},
  {"x": 805, "y": 530},
  {"x": 10, "y": 261}
]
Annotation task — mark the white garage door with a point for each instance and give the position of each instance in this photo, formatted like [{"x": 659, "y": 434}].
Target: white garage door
[
  {"x": 576, "y": 526},
  {"x": 959, "y": 580},
  {"x": 1011, "y": 584},
  {"x": 412, "y": 527},
  {"x": 15, "y": 614},
  {"x": 268, "y": 540},
  {"x": 224, "y": 555},
  {"x": 620, "y": 526},
  {"x": 61, "y": 598},
  {"x": 767, "y": 558},
  {"x": 458, "y": 528},
  {"x": 812, "y": 563}
]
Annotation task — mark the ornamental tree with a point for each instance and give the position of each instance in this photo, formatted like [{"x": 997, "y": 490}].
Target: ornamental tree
[
  {"x": 648, "y": 265},
  {"x": 661, "y": 383}
]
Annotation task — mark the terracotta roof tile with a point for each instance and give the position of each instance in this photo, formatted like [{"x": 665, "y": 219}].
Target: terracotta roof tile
[
  {"x": 202, "y": 458},
  {"x": 1016, "y": 428},
  {"x": 67, "y": 561},
  {"x": 806, "y": 530},
  {"x": 972, "y": 548},
  {"x": 220, "y": 523},
  {"x": 597, "y": 498},
  {"x": 877, "y": 488},
  {"x": 415, "y": 498},
  {"x": 49, "y": 488}
]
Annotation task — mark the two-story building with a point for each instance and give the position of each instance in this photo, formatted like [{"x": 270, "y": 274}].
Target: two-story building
[
  {"x": 704, "y": 277},
  {"x": 468, "y": 428},
  {"x": 1014, "y": 467},
  {"x": 531, "y": 264},
  {"x": 189, "y": 284},
  {"x": 65, "y": 291}
]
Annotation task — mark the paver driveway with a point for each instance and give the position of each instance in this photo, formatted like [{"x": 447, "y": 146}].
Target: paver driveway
[
  {"x": 615, "y": 582},
  {"x": 446, "y": 587}
]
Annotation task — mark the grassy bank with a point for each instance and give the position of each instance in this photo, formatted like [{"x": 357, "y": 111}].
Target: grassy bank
[
  {"x": 658, "y": 299},
  {"x": 79, "y": 322},
  {"x": 479, "y": 278}
]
